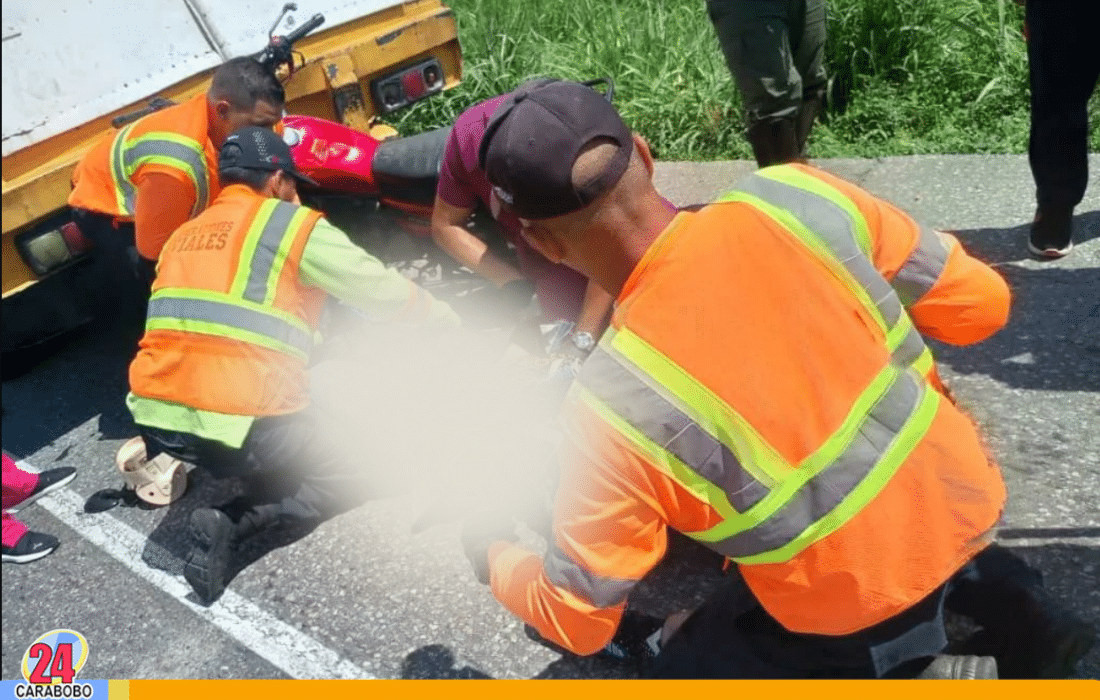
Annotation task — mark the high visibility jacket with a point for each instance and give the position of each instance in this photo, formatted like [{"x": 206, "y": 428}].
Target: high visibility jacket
[
  {"x": 230, "y": 326},
  {"x": 763, "y": 390},
  {"x": 173, "y": 141}
]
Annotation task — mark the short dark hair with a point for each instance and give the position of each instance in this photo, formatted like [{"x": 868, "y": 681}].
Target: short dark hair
[
  {"x": 244, "y": 81},
  {"x": 252, "y": 177}
]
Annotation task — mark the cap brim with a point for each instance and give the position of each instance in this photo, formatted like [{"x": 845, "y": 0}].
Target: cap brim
[{"x": 301, "y": 178}]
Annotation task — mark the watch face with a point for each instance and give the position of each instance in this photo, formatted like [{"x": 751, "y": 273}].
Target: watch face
[{"x": 584, "y": 341}]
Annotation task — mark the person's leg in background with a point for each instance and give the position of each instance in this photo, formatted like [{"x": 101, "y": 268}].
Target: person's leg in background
[
  {"x": 809, "y": 30},
  {"x": 21, "y": 545},
  {"x": 755, "y": 39},
  {"x": 1064, "y": 65}
]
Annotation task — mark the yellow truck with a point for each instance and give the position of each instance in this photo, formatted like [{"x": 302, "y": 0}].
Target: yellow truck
[{"x": 69, "y": 69}]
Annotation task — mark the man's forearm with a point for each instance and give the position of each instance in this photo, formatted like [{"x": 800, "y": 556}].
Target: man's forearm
[
  {"x": 472, "y": 252},
  {"x": 595, "y": 310}
]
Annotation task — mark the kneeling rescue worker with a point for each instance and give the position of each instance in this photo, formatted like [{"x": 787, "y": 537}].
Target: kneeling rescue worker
[
  {"x": 764, "y": 388},
  {"x": 220, "y": 378}
]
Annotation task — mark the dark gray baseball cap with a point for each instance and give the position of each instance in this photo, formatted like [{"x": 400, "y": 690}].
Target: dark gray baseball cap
[
  {"x": 257, "y": 148},
  {"x": 533, "y": 139}
]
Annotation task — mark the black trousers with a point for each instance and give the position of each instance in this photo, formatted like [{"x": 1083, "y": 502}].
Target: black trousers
[
  {"x": 292, "y": 477},
  {"x": 1064, "y": 62},
  {"x": 732, "y": 636},
  {"x": 124, "y": 276}
]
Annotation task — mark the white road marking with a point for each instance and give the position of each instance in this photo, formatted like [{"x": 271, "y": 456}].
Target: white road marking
[
  {"x": 291, "y": 651},
  {"x": 1093, "y": 542}
]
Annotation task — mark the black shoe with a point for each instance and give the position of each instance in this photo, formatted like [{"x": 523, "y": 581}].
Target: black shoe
[
  {"x": 212, "y": 534},
  {"x": 965, "y": 668},
  {"x": 1046, "y": 641},
  {"x": 1051, "y": 235},
  {"x": 30, "y": 547},
  {"x": 1056, "y": 641},
  {"x": 49, "y": 480}
]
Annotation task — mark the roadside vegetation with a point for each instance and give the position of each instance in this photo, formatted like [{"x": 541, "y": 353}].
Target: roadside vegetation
[{"x": 906, "y": 76}]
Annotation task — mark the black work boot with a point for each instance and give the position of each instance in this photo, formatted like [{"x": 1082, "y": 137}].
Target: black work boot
[
  {"x": 1051, "y": 642},
  {"x": 212, "y": 534},
  {"x": 968, "y": 668},
  {"x": 1051, "y": 235},
  {"x": 1034, "y": 637},
  {"x": 774, "y": 141}
]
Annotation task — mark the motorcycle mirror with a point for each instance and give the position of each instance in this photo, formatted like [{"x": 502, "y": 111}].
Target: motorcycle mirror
[
  {"x": 289, "y": 7},
  {"x": 608, "y": 93}
]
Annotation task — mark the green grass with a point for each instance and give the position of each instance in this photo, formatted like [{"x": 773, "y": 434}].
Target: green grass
[{"x": 906, "y": 76}]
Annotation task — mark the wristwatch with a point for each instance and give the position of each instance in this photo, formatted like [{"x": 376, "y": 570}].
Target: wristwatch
[{"x": 583, "y": 341}]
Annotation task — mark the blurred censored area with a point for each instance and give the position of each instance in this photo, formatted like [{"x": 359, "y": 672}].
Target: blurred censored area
[{"x": 459, "y": 421}]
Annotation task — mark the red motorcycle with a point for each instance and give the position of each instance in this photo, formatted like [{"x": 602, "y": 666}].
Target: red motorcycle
[{"x": 396, "y": 176}]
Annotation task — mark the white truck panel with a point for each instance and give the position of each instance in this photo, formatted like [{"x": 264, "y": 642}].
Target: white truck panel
[{"x": 66, "y": 63}]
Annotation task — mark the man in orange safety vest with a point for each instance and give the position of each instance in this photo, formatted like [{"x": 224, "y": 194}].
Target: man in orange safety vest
[{"x": 765, "y": 389}]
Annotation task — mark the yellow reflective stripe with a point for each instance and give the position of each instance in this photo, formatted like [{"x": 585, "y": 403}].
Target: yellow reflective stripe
[
  {"x": 232, "y": 315},
  {"x": 816, "y": 246},
  {"x": 796, "y": 178},
  {"x": 703, "y": 406},
  {"x": 175, "y": 151},
  {"x": 636, "y": 398},
  {"x": 897, "y": 334},
  {"x": 924, "y": 363},
  {"x": 283, "y": 253},
  {"x": 248, "y": 249},
  {"x": 816, "y": 462},
  {"x": 265, "y": 256},
  {"x": 161, "y": 323},
  {"x": 124, "y": 190},
  {"x": 219, "y": 297},
  {"x": 661, "y": 459},
  {"x": 867, "y": 489}
]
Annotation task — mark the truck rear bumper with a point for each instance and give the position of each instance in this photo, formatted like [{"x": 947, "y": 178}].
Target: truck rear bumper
[{"x": 44, "y": 312}]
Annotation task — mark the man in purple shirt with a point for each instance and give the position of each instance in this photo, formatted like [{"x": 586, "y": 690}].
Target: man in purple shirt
[{"x": 563, "y": 293}]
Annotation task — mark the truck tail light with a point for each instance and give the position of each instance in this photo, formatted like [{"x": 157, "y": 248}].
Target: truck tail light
[
  {"x": 47, "y": 249},
  {"x": 406, "y": 86}
]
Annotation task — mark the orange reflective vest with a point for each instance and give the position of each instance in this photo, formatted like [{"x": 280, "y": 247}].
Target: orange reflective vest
[
  {"x": 763, "y": 390},
  {"x": 173, "y": 141},
  {"x": 230, "y": 326}
]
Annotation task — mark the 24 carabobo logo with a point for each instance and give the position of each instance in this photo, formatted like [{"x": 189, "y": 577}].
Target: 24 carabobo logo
[{"x": 50, "y": 666}]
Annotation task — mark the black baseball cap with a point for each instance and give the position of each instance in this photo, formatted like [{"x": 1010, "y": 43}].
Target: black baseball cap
[
  {"x": 533, "y": 139},
  {"x": 257, "y": 148}
]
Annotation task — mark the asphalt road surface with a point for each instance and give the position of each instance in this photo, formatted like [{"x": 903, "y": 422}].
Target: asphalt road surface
[{"x": 361, "y": 596}]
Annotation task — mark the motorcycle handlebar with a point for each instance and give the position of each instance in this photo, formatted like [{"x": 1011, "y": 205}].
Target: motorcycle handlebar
[{"x": 312, "y": 23}]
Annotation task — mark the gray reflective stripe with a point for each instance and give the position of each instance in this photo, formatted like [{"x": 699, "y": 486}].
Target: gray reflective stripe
[
  {"x": 118, "y": 171},
  {"x": 601, "y": 591},
  {"x": 833, "y": 225},
  {"x": 638, "y": 400},
  {"x": 910, "y": 350},
  {"x": 923, "y": 267},
  {"x": 228, "y": 314},
  {"x": 263, "y": 259},
  {"x": 161, "y": 147},
  {"x": 828, "y": 489}
]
